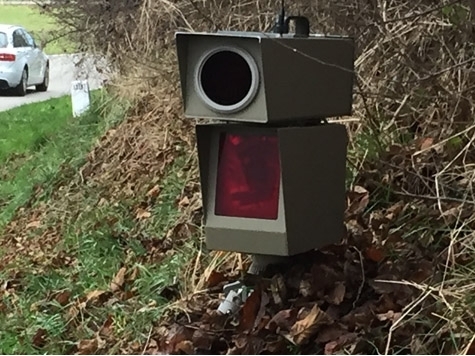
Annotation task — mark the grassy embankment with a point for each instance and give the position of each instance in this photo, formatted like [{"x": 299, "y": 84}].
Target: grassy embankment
[
  {"x": 61, "y": 242},
  {"x": 50, "y": 212},
  {"x": 44, "y": 29},
  {"x": 39, "y": 144},
  {"x": 35, "y": 140}
]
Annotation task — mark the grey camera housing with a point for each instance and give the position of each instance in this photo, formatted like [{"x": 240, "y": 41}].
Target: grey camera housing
[
  {"x": 311, "y": 203},
  {"x": 265, "y": 77}
]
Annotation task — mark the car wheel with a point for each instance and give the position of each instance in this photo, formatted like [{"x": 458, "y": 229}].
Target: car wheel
[
  {"x": 20, "y": 89},
  {"x": 44, "y": 86}
]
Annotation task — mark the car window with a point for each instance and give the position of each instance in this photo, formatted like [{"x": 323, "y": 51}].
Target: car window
[
  {"x": 3, "y": 40},
  {"x": 19, "y": 40},
  {"x": 29, "y": 40}
]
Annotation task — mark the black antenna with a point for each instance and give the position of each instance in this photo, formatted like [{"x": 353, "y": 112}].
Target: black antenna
[{"x": 280, "y": 26}]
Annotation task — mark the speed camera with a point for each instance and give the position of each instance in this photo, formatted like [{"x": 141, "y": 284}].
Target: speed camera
[
  {"x": 273, "y": 172},
  {"x": 265, "y": 77}
]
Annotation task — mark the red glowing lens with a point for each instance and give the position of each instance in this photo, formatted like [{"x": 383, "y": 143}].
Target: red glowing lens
[{"x": 248, "y": 176}]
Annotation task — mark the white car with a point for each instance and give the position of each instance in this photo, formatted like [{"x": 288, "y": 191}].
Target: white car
[{"x": 22, "y": 62}]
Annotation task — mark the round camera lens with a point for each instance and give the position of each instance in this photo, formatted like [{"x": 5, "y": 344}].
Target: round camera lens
[{"x": 226, "y": 78}]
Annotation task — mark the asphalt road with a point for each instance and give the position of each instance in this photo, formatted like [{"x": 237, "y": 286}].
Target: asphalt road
[{"x": 64, "y": 69}]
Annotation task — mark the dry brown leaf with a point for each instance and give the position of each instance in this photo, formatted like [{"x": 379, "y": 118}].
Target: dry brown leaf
[
  {"x": 175, "y": 335},
  {"x": 72, "y": 312},
  {"x": 215, "y": 278},
  {"x": 126, "y": 295},
  {"x": 278, "y": 347},
  {"x": 152, "y": 348},
  {"x": 451, "y": 215},
  {"x": 106, "y": 329},
  {"x": 142, "y": 214},
  {"x": 337, "y": 295},
  {"x": 39, "y": 339},
  {"x": 249, "y": 311},
  {"x": 426, "y": 143},
  {"x": 304, "y": 329},
  {"x": 184, "y": 202},
  {"x": 261, "y": 320},
  {"x": 330, "y": 333},
  {"x": 359, "y": 200},
  {"x": 278, "y": 289},
  {"x": 153, "y": 193},
  {"x": 202, "y": 340},
  {"x": 102, "y": 202},
  {"x": 88, "y": 347},
  {"x": 393, "y": 211},
  {"x": 185, "y": 346},
  {"x": 133, "y": 276},
  {"x": 135, "y": 346},
  {"x": 118, "y": 280},
  {"x": 284, "y": 320},
  {"x": 374, "y": 254},
  {"x": 63, "y": 297},
  {"x": 248, "y": 345},
  {"x": 34, "y": 224},
  {"x": 360, "y": 190},
  {"x": 181, "y": 231},
  {"x": 425, "y": 269},
  {"x": 390, "y": 315},
  {"x": 331, "y": 347},
  {"x": 94, "y": 295}
]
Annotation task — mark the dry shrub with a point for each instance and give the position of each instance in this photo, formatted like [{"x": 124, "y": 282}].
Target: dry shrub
[
  {"x": 414, "y": 61},
  {"x": 412, "y": 128}
]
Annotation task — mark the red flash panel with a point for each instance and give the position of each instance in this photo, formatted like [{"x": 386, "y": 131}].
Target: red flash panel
[{"x": 248, "y": 177}]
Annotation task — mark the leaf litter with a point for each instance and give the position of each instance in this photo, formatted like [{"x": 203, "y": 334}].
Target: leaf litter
[{"x": 340, "y": 313}]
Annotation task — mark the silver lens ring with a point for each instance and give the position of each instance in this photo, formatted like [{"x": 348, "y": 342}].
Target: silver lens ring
[{"x": 251, "y": 94}]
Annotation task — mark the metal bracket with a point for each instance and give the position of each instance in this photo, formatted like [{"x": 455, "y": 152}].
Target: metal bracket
[{"x": 236, "y": 294}]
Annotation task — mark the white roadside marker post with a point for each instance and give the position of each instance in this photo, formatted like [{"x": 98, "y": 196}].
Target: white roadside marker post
[{"x": 80, "y": 97}]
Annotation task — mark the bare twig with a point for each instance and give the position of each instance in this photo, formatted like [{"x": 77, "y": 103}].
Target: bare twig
[
  {"x": 363, "y": 278},
  {"x": 434, "y": 198}
]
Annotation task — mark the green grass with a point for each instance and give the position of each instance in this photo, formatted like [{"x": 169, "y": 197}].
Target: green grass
[
  {"x": 35, "y": 141},
  {"x": 28, "y": 127},
  {"x": 42, "y": 27},
  {"x": 39, "y": 144},
  {"x": 99, "y": 250},
  {"x": 42, "y": 145}
]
